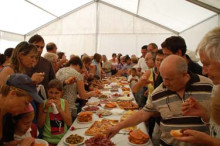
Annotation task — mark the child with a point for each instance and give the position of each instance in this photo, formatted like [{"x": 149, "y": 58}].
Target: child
[
  {"x": 54, "y": 124},
  {"x": 133, "y": 78},
  {"x": 23, "y": 124}
]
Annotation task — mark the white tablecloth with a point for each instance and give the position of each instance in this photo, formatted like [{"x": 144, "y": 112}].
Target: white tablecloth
[{"x": 121, "y": 139}]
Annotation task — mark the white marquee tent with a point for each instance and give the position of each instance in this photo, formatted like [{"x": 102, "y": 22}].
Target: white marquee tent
[{"x": 106, "y": 26}]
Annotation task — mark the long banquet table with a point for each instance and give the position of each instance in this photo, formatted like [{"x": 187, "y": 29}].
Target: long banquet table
[{"x": 120, "y": 139}]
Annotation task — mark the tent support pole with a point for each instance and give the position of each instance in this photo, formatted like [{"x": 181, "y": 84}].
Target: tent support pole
[
  {"x": 206, "y": 6},
  {"x": 97, "y": 27},
  {"x": 199, "y": 23},
  {"x": 138, "y": 7},
  {"x": 58, "y": 18},
  {"x": 41, "y": 8}
]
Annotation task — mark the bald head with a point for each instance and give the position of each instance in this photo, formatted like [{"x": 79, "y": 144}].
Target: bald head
[
  {"x": 174, "y": 63},
  {"x": 51, "y": 47},
  {"x": 173, "y": 70}
]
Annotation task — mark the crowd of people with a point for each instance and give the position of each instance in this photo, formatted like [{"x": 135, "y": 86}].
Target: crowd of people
[{"x": 172, "y": 91}]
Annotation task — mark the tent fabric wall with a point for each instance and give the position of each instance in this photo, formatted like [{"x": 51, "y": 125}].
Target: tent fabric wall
[
  {"x": 110, "y": 31},
  {"x": 9, "y": 40},
  {"x": 74, "y": 33},
  {"x": 194, "y": 35},
  {"x": 106, "y": 29},
  {"x": 87, "y": 28},
  {"x": 128, "y": 35}
]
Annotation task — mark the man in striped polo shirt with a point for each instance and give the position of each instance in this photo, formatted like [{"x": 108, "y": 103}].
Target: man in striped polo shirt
[{"x": 166, "y": 100}]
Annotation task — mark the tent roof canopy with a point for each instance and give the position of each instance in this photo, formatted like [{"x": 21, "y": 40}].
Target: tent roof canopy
[{"x": 23, "y": 16}]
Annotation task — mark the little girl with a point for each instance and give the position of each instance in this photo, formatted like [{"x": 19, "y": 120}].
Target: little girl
[
  {"x": 133, "y": 78},
  {"x": 23, "y": 124},
  {"x": 54, "y": 124}
]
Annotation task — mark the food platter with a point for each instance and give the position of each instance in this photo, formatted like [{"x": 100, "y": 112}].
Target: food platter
[{"x": 100, "y": 127}]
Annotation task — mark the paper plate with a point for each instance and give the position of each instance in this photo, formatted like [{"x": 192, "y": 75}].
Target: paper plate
[{"x": 41, "y": 141}]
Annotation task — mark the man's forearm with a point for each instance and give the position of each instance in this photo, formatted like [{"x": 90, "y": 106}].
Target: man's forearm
[{"x": 135, "y": 119}]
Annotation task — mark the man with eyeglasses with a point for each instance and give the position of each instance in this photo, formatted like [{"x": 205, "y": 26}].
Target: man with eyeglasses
[{"x": 166, "y": 100}]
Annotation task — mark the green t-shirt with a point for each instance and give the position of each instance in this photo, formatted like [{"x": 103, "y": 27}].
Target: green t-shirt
[{"x": 54, "y": 127}]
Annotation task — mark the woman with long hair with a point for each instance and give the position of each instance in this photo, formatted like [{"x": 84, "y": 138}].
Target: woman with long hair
[{"x": 23, "y": 56}]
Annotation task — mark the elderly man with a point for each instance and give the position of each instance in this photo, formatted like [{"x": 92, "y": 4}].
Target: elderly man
[
  {"x": 178, "y": 85},
  {"x": 210, "y": 57}
]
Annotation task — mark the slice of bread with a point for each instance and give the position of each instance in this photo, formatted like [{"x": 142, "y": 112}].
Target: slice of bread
[{"x": 176, "y": 133}]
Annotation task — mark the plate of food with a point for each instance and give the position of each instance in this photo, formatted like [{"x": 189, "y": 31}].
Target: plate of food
[
  {"x": 138, "y": 138},
  {"x": 114, "y": 90},
  {"x": 117, "y": 111},
  {"x": 110, "y": 105},
  {"x": 104, "y": 101},
  {"x": 116, "y": 95},
  {"x": 99, "y": 140},
  {"x": 126, "y": 92},
  {"x": 103, "y": 96},
  {"x": 84, "y": 117},
  {"x": 74, "y": 139},
  {"x": 125, "y": 98},
  {"x": 90, "y": 108},
  {"x": 103, "y": 112},
  {"x": 40, "y": 142}
]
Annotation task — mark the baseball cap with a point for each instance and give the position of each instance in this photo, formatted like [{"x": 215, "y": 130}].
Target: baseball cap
[
  {"x": 28, "y": 109},
  {"x": 25, "y": 83}
]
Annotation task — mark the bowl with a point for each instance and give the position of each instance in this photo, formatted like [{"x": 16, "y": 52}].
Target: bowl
[
  {"x": 79, "y": 143},
  {"x": 41, "y": 141}
]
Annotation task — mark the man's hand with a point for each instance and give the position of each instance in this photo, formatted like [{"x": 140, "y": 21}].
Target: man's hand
[
  {"x": 193, "y": 108},
  {"x": 112, "y": 131}
]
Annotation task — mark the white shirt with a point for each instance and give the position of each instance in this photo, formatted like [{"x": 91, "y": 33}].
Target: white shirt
[
  {"x": 27, "y": 134},
  {"x": 133, "y": 81},
  {"x": 142, "y": 64}
]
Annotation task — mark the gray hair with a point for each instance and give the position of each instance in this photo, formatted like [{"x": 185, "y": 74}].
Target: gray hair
[
  {"x": 210, "y": 44},
  {"x": 50, "y": 56}
]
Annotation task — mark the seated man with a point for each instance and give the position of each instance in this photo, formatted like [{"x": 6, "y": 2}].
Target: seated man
[{"x": 178, "y": 85}]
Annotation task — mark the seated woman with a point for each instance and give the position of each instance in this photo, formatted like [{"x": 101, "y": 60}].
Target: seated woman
[{"x": 74, "y": 68}]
